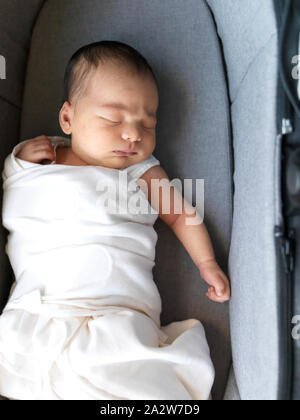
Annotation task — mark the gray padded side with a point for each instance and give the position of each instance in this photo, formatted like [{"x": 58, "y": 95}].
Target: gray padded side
[
  {"x": 245, "y": 27},
  {"x": 9, "y": 131},
  {"x": 232, "y": 392},
  {"x": 193, "y": 132},
  {"x": 16, "y": 20},
  {"x": 250, "y": 48}
]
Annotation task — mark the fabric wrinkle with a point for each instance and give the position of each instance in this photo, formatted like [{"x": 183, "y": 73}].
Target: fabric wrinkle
[{"x": 83, "y": 316}]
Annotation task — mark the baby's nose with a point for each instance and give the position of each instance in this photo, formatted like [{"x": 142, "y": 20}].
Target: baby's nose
[{"x": 132, "y": 138}]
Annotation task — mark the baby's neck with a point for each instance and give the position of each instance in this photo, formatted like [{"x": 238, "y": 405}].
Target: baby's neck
[{"x": 65, "y": 156}]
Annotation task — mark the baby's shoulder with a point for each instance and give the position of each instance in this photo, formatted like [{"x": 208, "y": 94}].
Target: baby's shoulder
[
  {"x": 138, "y": 170},
  {"x": 155, "y": 172},
  {"x": 157, "y": 187}
]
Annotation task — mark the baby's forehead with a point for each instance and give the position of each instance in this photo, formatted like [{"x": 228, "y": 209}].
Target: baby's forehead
[{"x": 102, "y": 86}]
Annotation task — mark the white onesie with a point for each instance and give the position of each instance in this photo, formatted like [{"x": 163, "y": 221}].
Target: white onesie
[{"x": 83, "y": 317}]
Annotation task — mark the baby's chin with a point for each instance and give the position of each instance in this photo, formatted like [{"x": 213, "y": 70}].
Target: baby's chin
[
  {"x": 116, "y": 162},
  {"x": 122, "y": 162}
]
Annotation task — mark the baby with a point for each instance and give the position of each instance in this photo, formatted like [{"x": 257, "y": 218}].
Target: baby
[
  {"x": 110, "y": 113},
  {"x": 83, "y": 316}
]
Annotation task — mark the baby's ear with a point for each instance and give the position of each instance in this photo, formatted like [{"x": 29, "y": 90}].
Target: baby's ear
[{"x": 65, "y": 116}]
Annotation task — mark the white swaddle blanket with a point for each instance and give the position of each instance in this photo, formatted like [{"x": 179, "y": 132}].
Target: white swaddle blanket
[{"x": 83, "y": 316}]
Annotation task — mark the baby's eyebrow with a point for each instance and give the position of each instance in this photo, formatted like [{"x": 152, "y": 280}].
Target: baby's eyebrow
[{"x": 119, "y": 105}]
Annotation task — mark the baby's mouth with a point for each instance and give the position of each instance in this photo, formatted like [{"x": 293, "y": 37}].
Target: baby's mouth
[{"x": 124, "y": 153}]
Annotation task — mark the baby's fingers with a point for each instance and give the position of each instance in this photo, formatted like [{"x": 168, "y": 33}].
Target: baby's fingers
[
  {"x": 46, "y": 157},
  {"x": 44, "y": 146},
  {"x": 39, "y": 141},
  {"x": 43, "y": 153},
  {"x": 212, "y": 295}
]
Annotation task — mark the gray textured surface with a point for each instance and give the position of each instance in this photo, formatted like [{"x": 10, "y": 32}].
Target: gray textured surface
[
  {"x": 250, "y": 48},
  {"x": 16, "y": 21},
  {"x": 232, "y": 392}
]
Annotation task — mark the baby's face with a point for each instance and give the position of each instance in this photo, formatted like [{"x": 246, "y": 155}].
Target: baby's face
[{"x": 98, "y": 130}]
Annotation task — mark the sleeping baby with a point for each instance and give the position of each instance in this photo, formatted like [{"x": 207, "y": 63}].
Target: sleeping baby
[{"x": 83, "y": 316}]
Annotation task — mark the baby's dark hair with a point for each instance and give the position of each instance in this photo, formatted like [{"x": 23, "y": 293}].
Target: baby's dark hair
[{"x": 90, "y": 56}]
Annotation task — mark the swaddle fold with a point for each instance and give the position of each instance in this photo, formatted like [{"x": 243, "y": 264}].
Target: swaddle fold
[{"x": 83, "y": 316}]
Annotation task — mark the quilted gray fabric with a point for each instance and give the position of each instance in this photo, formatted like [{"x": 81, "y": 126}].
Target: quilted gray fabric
[
  {"x": 232, "y": 392},
  {"x": 250, "y": 48},
  {"x": 16, "y": 21}
]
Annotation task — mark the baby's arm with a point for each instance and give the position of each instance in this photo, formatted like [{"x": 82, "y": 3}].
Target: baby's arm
[
  {"x": 36, "y": 150},
  {"x": 194, "y": 237}
]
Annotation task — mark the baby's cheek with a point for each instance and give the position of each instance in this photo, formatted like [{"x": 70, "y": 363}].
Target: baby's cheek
[{"x": 82, "y": 126}]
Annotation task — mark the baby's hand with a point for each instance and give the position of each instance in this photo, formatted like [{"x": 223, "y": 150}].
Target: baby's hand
[
  {"x": 36, "y": 150},
  {"x": 213, "y": 275}
]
